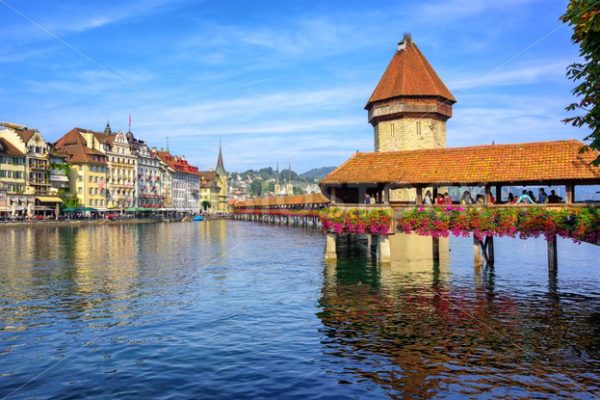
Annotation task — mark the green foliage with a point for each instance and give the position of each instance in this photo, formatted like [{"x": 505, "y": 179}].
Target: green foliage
[
  {"x": 584, "y": 17},
  {"x": 206, "y": 205}
]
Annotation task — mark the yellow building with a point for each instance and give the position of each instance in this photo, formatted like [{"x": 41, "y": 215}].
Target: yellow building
[
  {"x": 214, "y": 187},
  {"x": 88, "y": 169},
  {"x": 121, "y": 162}
]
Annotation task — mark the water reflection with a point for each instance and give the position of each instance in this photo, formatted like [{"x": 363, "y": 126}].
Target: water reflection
[{"x": 419, "y": 332}]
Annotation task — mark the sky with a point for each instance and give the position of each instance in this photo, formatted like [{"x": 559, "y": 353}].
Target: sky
[{"x": 278, "y": 80}]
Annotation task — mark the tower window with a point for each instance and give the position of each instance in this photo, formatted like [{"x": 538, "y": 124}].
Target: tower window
[
  {"x": 419, "y": 128},
  {"x": 392, "y": 129}
]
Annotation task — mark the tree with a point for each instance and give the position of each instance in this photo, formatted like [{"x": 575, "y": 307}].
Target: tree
[
  {"x": 206, "y": 205},
  {"x": 256, "y": 188},
  {"x": 584, "y": 17}
]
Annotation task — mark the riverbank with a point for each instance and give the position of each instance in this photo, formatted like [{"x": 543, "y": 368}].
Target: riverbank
[{"x": 85, "y": 222}]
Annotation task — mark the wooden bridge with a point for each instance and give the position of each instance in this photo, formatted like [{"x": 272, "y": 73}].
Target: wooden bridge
[{"x": 297, "y": 210}]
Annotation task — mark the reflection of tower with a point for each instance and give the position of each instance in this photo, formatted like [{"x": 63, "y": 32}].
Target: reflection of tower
[
  {"x": 277, "y": 189},
  {"x": 409, "y": 106},
  {"x": 289, "y": 188}
]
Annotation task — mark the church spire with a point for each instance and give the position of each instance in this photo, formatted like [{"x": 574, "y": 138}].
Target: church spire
[
  {"x": 107, "y": 129},
  {"x": 220, "y": 166}
]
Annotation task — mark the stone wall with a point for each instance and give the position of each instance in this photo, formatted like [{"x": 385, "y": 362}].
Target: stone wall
[{"x": 410, "y": 133}]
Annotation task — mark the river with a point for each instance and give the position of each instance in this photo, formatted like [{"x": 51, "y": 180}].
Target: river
[{"x": 238, "y": 310}]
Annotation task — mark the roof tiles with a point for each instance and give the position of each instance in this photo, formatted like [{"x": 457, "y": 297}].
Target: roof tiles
[{"x": 508, "y": 163}]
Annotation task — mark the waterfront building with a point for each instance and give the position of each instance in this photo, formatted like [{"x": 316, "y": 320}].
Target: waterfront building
[
  {"x": 37, "y": 166},
  {"x": 149, "y": 190},
  {"x": 12, "y": 176},
  {"x": 185, "y": 182},
  {"x": 166, "y": 174},
  {"x": 209, "y": 189},
  {"x": 88, "y": 168},
  {"x": 59, "y": 174},
  {"x": 122, "y": 164}
]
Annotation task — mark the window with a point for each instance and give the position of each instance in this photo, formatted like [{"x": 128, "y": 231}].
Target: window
[
  {"x": 419, "y": 128},
  {"x": 392, "y": 129}
]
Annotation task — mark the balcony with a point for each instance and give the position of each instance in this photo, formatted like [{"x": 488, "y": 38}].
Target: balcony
[{"x": 39, "y": 166}]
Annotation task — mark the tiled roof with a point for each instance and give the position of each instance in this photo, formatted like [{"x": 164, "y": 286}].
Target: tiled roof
[
  {"x": 74, "y": 145},
  {"x": 409, "y": 74},
  {"x": 207, "y": 178},
  {"x": 24, "y": 132},
  {"x": 177, "y": 163},
  {"x": 313, "y": 198},
  {"x": 509, "y": 163},
  {"x": 7, "y": 148}
]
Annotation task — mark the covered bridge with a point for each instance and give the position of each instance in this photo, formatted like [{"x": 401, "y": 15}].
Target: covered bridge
[{"x": 555, "y": 163}]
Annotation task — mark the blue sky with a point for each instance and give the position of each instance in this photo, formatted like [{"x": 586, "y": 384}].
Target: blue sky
[{"x": 278, "y": 80}]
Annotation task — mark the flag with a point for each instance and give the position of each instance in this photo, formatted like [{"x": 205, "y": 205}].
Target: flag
[{"x": 130, "y": 122}]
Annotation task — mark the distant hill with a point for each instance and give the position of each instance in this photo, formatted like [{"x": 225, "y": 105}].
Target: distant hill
[{"x": 317, "y": 173}]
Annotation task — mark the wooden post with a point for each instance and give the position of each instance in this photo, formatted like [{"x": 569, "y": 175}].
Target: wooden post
[
  {"x": 384, "y": 255},
  {"x": 333, "y": 195},
  {"x": 419, "y": 195},
  {"x": 552, "y": 254},
  {"x": 486, "y": 197},
  {"x": 477, "y": 252},
  {"x": 490, "y": 249},
  {"x": 498, "y": 194},
  {"x": 436, "y": 249},
  {"x": 386, "y": 194},
  {"x": 570, "y": 194},
  {"x": 330, "y": 250}
]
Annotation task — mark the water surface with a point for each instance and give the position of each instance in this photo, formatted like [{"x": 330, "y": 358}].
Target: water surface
[{"x": 228, "y": 309}]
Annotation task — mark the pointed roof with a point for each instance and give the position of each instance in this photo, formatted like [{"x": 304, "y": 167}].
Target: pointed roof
[
  {"x": 73, "y": 145},
  {"x": 409, "y": 74},
  {"x": 107, "y": 129},
  {"x": 220, "y": 170}
]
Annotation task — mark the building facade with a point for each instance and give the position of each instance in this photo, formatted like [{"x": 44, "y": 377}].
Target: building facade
[
  {"x": 149, "y": 188},
  {"x": 184, "y": 182},
  {"x": 88, "y": 169}
]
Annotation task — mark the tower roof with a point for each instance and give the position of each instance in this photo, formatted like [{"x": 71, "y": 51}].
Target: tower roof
[
  {"x": 409, "y": 74},
  {"x": 220, "y": 166}
]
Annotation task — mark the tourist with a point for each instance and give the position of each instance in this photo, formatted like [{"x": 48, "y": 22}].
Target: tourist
[
  {"x": 531, "y": 196},
  {"x": 511, "y": 198},
  {"x": 447, "y": 198},
  {"x": 479, "y": 199},
  {"x": 542, "y": 196},
  {"x": 428, "y": 201},
  {"x": 367, "y": 199},
  {"x": 439, "y": 200},
  {"x": 554, "y": 198},
  {"x": 466, "y": 198},
  {"x": 525, "y": 198}
]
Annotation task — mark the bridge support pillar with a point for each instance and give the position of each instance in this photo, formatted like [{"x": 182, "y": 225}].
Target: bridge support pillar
[
  {"x": 384, "y": 253},
  {"x": 477, "y": 258},
  {"x": 436, "y": 249},
  {"x": 552, "y": 255},
  {"x": 330, "y": 248}
]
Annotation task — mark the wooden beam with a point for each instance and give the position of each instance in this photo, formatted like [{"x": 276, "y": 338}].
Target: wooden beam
[
  {"x": 486, "y": 197},
  {"x": 570, "y": 193},
  {"x": 552, "y": 254},
  {"x": 498, "y": 194},
  {"x": 419, "y": 195}
]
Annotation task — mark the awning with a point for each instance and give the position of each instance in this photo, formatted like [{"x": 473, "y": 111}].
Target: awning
[{"x": 49, "y": 199}]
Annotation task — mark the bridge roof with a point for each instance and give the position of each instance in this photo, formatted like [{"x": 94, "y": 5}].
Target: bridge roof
[
  {"x": 535, "y": 162},
  {"x": 313, "y": 198}
]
